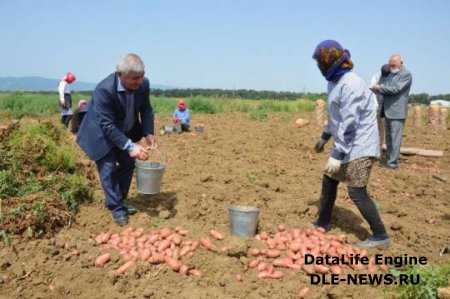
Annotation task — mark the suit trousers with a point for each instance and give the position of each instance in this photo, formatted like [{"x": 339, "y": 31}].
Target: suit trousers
[
  {"x": 394, "y": 134},
  {"x": 359, "y": 196},
  {"x": 116, "y": 172}
]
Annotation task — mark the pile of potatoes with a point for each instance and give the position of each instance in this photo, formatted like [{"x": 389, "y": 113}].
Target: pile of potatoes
[
  {"x": 157, "y": 247},
  {"x": 287, "y": 249}
]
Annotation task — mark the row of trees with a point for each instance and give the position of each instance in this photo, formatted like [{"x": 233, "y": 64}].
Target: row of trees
[
  {"x": 421, "y": 98},
  {"x": 238, "y": 93}
]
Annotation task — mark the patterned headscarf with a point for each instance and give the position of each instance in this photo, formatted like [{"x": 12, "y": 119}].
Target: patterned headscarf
[{"x": 332, "y": 60}]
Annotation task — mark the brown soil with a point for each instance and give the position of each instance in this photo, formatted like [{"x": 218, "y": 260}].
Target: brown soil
[{"x": 238, "y": 160}]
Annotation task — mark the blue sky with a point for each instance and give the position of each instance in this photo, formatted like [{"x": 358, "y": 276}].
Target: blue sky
[{"x": 252, "y": 44}]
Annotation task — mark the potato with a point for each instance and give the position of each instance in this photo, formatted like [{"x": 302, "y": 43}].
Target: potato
[
  {"x": 124, "y": 268},
  {"x": 321, "y": 269},
  {"x": 195, "y": 272},
  {"x": 335, "y": 269},
  {"x": 102, "y": 259},
  {"x": 263, "y": 235},
  {"x": 252, "y": 264},
  {"x": 276, "y": 274},
  {"x": 254, "y": 251},
  {"x": 163, "y": 245},
  {"x": 273, "y": 253},
  {"x": 263, "y": 275},
  {"x": 206, "y": 242},
  {"x": 309, "y": 269},
  {"x": 215, "y": 234},
  {"x": 184, "y": 270},
  {"x": 165, "y": 232},
  {"x": 283, "y": 262},
  {"x": 145, "y": 254},
  {"x": 173, "y": 263},
  {"x": 303, "y": 292}
]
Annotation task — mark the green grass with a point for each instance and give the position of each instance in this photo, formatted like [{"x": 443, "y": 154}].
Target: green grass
[
  {"x": 252, "y": 177},
  {"x": 39, "y": 179},
  {"x": 21, "y": 104},
  {"x": 431, "y": 277}
]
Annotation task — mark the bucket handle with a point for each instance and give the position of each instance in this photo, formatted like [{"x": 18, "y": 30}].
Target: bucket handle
[{"x": 164, "y": 160}]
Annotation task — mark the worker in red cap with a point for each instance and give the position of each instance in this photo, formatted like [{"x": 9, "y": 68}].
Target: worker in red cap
[
  {"x": 78, "y": 116},
  {"x": 182, "y": 115},
  {"x": 65, "y": 99}
]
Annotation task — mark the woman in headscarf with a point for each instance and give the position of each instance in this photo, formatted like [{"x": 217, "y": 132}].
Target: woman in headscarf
[
  {"x": 352, "y": 123},
  {"x": 65, "y": 99}
]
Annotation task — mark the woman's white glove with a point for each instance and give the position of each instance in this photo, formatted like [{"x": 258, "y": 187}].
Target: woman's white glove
[{"x": 332, "y": 165}]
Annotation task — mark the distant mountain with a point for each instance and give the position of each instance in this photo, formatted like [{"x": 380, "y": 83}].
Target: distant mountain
[{"x": 35, "y": 83}]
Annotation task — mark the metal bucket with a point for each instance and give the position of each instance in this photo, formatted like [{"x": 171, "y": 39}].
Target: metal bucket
[
  {"x": 199, "y": 129},
  {"x": 149, "y": 176},
  {"x": 169, "y": 128},
  {"x": 243, "y": 220},
  {"x": 177, "y": 128}
]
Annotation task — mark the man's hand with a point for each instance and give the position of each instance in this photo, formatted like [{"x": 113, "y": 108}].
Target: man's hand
[
  {"x": 332, "y": 165},
  {"x": 62, "y": 102},
  {"x": 320, "y": 144},
  {"x": 139, "y": 153},
  {"x": 375, "y": 87},
  {"x": 151, "y": 141}
]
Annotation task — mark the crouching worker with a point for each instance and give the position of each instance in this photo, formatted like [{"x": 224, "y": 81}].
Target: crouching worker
[
  {"x": 181, "y": 115},
  {"x": 117, "y": 117},
  {"x": 77, "y": 117},
  {"x": 352, "y": 122}
]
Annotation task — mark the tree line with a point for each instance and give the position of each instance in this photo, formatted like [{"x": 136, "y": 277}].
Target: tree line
[
  {"x": 249, "y": 94},
  {"x": 420, "y": 98}
]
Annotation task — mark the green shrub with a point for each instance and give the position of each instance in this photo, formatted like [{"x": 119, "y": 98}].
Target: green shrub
[
  {"x": 8, "y": 184},
  {"x": 200, "y": 105},
  {"x": 305, "y": 105},
  {"x": 252, "y": 177},
  {"x": 43, "y": 142},
  {"x": 39, "y": 179},
  {"x": 431, "y": 277},
  {"x": 77, "y": 191},
  {"x": 259, "y": 115}
]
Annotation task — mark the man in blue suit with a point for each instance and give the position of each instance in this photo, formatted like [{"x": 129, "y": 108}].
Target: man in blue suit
[{"x": 118, "y": 116}]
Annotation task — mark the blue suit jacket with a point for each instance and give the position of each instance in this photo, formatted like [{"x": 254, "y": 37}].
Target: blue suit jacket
[{"x": 102, "y": 126}]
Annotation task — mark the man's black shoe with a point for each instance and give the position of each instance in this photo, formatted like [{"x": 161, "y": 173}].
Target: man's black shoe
[
  {"x": 130, "y": 209},
  {"x": 121, "y": 221}
]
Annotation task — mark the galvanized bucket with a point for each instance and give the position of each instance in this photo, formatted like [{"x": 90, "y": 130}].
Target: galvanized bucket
[
  {"x": 169, "y": 128},
  {"x": 177, "y": 128},
  {"x": 149, "y": 176},
  {"x": 243, "y": 220},
  {"x": 199, "y": 128}
]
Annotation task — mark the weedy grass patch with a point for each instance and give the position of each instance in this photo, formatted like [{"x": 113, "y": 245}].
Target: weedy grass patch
[{"x": 41, "y": 184}]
